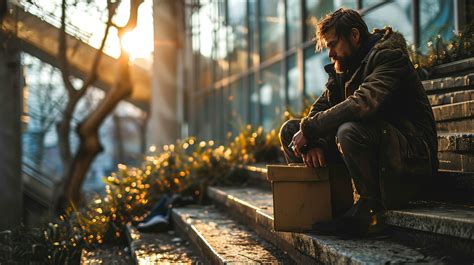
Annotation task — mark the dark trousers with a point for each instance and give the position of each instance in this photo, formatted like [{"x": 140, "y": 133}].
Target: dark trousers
[{"x": 357, "y": 144}]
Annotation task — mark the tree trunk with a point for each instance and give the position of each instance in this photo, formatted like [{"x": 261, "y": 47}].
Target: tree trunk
[
  {"x": 119, "y": 149},
  {"x": 64, "y": 129},
  {"x": 88, "y": 131}
]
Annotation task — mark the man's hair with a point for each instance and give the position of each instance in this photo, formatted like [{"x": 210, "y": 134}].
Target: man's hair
[{"x": 343, "y": 21}]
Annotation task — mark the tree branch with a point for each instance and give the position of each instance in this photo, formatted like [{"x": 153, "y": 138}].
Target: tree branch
[{"x": 111, "y": 7}]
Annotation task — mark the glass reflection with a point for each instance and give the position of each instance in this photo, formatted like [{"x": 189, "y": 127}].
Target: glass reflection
[
  {"x": 254, "y": 112},
  {"x": 295, "y": 94},
  {"x": 272, "y": 96},
  {"x": 237, "y": 35},
  {"x": 396, "y": 14},
  {"x": 252, "y": 20},
  {"x": 237, "y": 104},
  {"x": 271, "y": 28},
  {"x": 315, "y": 76},
  {"x": 436, "y": 18},
  {"x": 293, "y": 14},
  {"x": 315, "y": 9}
]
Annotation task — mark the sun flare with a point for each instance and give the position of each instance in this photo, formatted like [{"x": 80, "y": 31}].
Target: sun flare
[{"x": 134, "y": 42}]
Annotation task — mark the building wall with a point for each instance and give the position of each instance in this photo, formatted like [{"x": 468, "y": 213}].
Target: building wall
[
  {"x": 250, "y": 61},
  {"x": 11, "y": 98},
  {"x": 166, "y": 79}
]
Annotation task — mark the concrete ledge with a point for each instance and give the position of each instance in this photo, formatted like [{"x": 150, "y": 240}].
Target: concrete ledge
[
  {"x": 456, "y": 126},
  {"x": 451, "y": 97},
  {"x": 222, "y": 240},
  {"x": 438, "y": 218},
  {"x": 454, "y": 111},
  {"x": 255, "y": 206},
  {"x": 159, "y": 248},
  {"x": 434, "y": 85},
  {"x": 454, "y": 67}
]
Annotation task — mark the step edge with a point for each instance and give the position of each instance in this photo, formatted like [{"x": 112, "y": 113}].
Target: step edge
[
  {"x": 198, "y": 241},
  {"x": 327, "y": 251},
  {"x": 455, "y": 227}
]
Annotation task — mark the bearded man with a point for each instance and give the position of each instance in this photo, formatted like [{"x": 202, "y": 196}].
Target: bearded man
[{"x": 374, "y": 115}]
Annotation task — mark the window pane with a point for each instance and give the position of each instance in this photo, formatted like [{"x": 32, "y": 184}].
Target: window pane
[
  {"x": 253, "y": 101},
  {"x": 315, "y": 9},
  {"x": 219, "y": 52},
  {"x": 213, "y": 114},
  {"x": 315, "y": 76},
  {"x": 237, "y": 103},
  {"x": 293, "y": 14},
  {"x": 237, "y": 35},
  {"x": 396, "y": 14},
  {"x": 436, "y": 17},
  {"x": 221, "y": 112},
  {"x": 272, "y": 96},
  {"x": 271, "y": 28},
  {"x": 295, "y": 95},
  {"x": 252, "y": 18},
  {"x": 205, "y": 44},
  {"x": 199, "y": 107}
]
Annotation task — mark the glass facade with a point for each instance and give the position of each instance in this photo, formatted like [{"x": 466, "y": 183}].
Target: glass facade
[
  {"x": 271, "y": 22},
  {"x": 254, "y": 59}
]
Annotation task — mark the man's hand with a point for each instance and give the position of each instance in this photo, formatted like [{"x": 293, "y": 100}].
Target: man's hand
[
  {"x": 315, "y": 157},
  {"x": 298, "y": 142}
]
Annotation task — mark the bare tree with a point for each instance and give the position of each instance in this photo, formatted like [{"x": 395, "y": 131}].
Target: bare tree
[
  {"x": 76, "y": 167},
  {"x": 46, "y": 106}
]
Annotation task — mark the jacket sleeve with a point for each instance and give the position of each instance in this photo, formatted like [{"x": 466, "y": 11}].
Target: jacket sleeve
[
  {"x": 321, "y": 104},
  {"x": 389, "y": 66}
]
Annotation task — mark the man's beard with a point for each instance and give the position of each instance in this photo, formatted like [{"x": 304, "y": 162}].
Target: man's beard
[{"x": 342, "y": 64}]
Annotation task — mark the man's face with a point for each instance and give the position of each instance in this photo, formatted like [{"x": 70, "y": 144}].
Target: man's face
[{"x": 340, "y": 50}]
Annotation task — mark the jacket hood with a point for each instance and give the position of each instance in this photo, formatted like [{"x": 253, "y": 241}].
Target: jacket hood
[{"x": 391, "y": 40}]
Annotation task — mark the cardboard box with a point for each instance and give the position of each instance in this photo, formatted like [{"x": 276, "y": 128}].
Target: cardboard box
[{"x": 302, "y": 195}]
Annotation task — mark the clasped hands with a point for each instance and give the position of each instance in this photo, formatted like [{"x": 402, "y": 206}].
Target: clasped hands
[{"x": 313, "y": 157}]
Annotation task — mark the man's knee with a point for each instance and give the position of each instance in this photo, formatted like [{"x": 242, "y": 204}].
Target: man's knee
[
  {"x": 356, "y": 134},
  {"x": 288, "y": 129}
]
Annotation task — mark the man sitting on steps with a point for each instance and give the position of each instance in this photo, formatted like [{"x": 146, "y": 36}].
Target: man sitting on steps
[{"x": 374, "y": 115}]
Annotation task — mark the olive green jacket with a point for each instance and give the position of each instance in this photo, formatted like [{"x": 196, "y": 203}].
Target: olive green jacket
[{"x": 384, "y": 88}]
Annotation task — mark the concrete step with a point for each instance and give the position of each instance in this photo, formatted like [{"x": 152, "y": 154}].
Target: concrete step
[
  {"x": 440, "y": 85},
  {"x": 439, "y": 218},
  {"x": 451, "y": 97},
  {"x": 455, "y": 142},
  {"x": 105, "y": 255},
  {"x": 160, "y": 248},
  {"x": 451, "y": 187},
  {"x": 455, "y": 111},
  {"x": 454, "y": 68},
  {"x": 439, "y": 226},
  {"x": 463, "y": 162},
  {"x": 255, "y": 206},
  {"x": 456, "y": 126},
  {"x": 222, "y": 240}
]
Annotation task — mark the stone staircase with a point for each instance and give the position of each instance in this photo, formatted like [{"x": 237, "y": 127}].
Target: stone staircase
[{"x": 237, "y": 225}]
